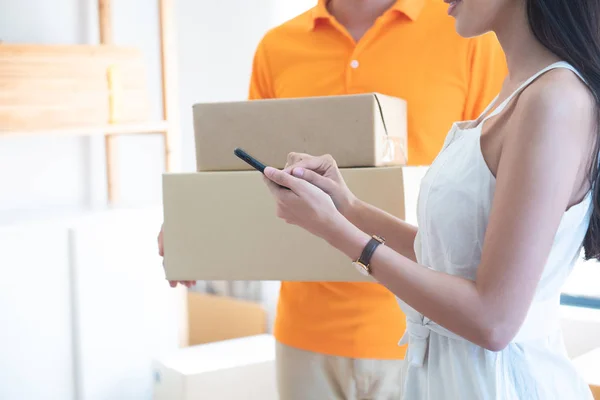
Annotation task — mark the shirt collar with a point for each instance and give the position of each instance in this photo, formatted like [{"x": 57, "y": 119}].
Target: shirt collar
[{"x": 410, "y": 8}]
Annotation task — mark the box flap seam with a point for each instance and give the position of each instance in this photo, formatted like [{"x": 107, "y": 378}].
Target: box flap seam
[{"x": 385, "y": 129}]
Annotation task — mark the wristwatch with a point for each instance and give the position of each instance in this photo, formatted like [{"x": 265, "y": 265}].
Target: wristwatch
[{"x": 363, "y": 264}]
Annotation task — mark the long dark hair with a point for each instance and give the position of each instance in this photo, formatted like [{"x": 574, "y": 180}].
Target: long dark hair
[{"x": 571, "y": 30}]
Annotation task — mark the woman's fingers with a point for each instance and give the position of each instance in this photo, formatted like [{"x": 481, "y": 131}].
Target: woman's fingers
[
  {"x": 284, "y": 179},
  {"x": 293, "y": 158},
  {"x": 323, "y": 183}
]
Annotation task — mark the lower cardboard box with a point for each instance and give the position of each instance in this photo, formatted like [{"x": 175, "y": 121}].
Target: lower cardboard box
[
  {"x": 223, "y": 226},
  {"x": 236, "y": 369},
  {"x": 214, "y": 318}
]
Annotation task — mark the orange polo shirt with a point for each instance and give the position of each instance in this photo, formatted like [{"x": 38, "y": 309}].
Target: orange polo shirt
[{"x": 411, "y": 52}]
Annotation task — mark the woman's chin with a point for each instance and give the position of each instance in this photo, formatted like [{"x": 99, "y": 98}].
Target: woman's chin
[{"x": 467, "y": 30}]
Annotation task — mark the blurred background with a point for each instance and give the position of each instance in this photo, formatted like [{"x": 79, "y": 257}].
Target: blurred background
[{"x": 84, "y": 307}]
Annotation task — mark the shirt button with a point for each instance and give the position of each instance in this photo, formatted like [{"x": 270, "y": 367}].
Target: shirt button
[{"x": 354, "y": 64}]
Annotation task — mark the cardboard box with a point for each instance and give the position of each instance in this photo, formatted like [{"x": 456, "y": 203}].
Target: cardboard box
[
  {"x": 215, "y": 318},
  {"x": 589, "y": 366},
  {"x": 223, "y": 226},
  {"x": 363, "y": 130},
  {"x": 237, "y": 369}
]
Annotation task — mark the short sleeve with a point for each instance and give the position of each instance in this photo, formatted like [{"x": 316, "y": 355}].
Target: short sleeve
[{"x": 261, "y": 79}]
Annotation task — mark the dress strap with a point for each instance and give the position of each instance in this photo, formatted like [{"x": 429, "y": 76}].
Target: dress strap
[
  {"x": 488, "y": 108},
  {"x": 559, "y": 64}
]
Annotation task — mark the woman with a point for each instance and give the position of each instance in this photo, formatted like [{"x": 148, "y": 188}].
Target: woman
[{"x": 503, "y": 213}]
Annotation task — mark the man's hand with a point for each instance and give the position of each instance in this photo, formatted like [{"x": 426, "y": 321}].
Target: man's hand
[{"x": 161, "y": 252}]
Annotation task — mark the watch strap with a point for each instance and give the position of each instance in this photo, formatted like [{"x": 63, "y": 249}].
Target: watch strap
[{"x": 367, "y": 253}]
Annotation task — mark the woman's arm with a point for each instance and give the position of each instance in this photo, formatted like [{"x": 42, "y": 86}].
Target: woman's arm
[
  {"x": 399, "y": 235},
  {"x": 538, "y": 174},
  {"x": 543, "y": 162},
  {"x": 323, "y": 173}
]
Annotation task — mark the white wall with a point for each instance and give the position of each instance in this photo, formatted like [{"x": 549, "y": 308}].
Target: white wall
[
  {"x": 286, "y": 9},
  {"x": 36, "y": 352},
  {"x": 215, "y": 44}
]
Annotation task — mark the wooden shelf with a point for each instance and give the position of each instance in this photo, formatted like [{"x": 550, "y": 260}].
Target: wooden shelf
[
  {"x": 99, "y": 130},
  {"x": 89, "y": 90}
]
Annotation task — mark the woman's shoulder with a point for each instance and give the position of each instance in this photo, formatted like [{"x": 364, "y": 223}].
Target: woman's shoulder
[
  {"x": 559, "y": 86},
  {"x": 558, "y": 102}
]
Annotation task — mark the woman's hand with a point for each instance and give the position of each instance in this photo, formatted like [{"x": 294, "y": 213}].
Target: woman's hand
[
  {"x": 324, "y": 173},
  {"x": 305, "y": 204}
]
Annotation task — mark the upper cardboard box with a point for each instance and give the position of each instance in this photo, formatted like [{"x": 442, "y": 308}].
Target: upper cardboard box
[{"x": 363, "y": 130}]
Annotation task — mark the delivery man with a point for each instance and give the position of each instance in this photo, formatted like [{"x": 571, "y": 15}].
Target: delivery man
[{"x": 340, "y": 340}]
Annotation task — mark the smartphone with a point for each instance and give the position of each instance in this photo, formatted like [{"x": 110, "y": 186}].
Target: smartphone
[{"x": 253, "y": 162}]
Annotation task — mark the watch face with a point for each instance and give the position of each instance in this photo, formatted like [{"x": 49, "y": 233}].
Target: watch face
[{"x": 361, "y": 268}]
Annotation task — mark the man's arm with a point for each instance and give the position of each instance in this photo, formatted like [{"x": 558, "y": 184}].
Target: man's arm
[{"x": 487, "y": 72}]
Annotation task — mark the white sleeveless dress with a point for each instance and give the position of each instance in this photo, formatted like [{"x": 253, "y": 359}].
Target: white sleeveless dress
[{"x": 453, "y": 211}]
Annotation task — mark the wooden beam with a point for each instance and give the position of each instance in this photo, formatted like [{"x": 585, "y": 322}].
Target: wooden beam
[
  {"x": 116, "y": 129},
  {"x": 66, "y": 51},
  {"x": 168, "y": 56},
  {"x": 106, "y": 37},
  {"x": 105, "y": 21}
]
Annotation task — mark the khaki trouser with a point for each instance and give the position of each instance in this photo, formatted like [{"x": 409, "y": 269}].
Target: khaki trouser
[{"x": 303, "y": 375}]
